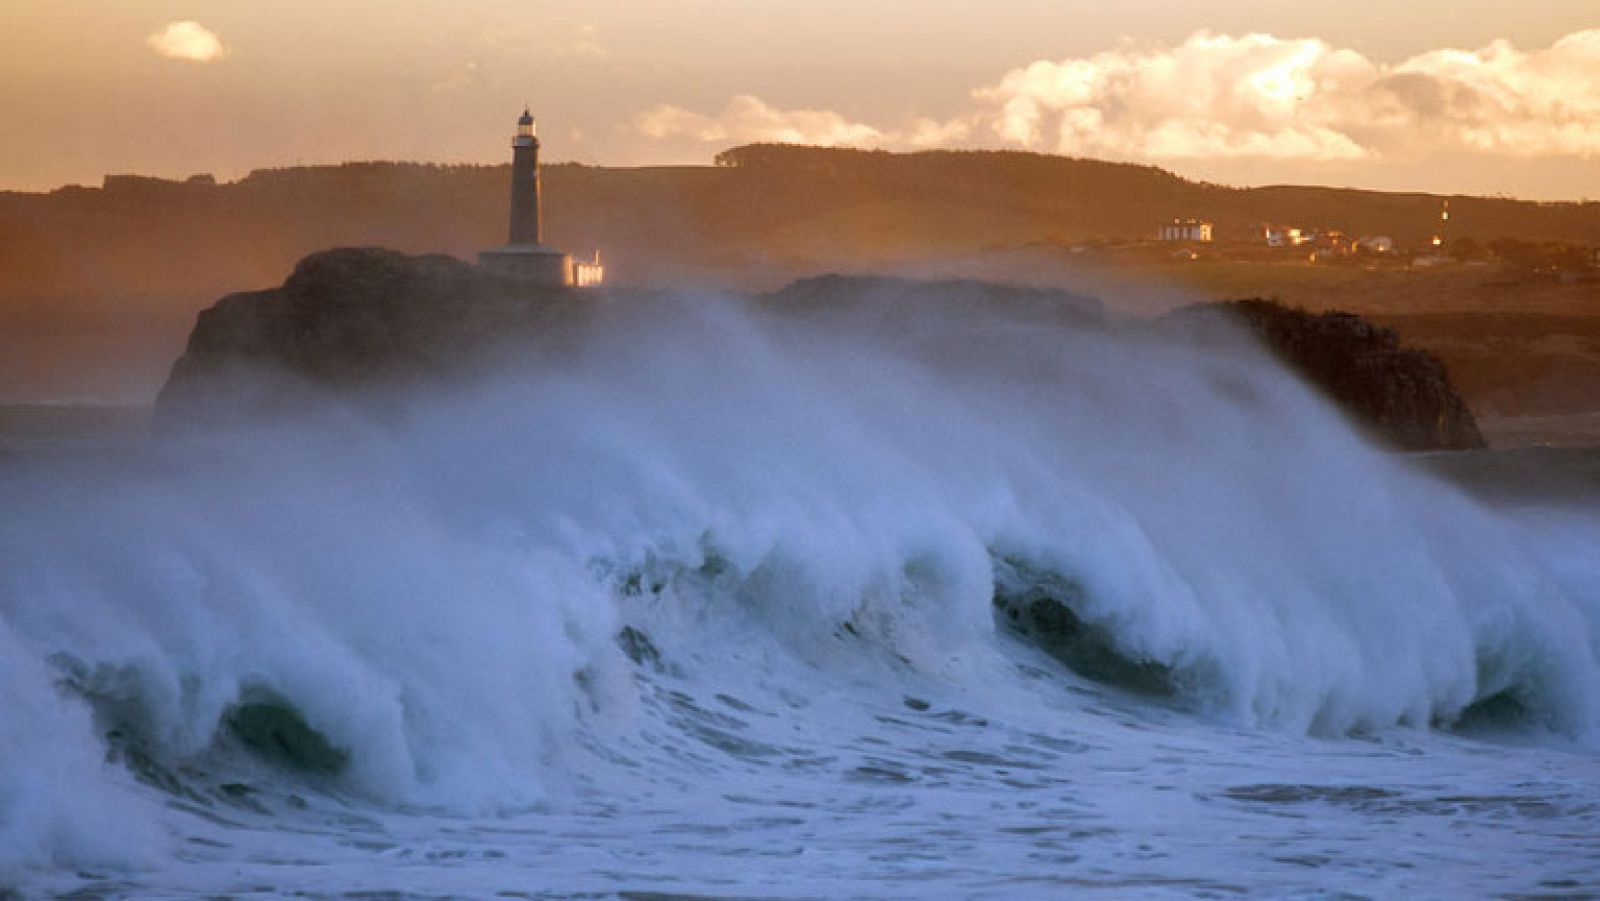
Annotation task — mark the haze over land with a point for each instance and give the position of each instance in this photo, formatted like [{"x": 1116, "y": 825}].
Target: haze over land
[
  {"x": 104, "y": 282},
  {"x": 1467, "y": 97}
]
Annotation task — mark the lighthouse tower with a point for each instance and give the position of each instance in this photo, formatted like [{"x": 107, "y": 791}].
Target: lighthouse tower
[
  {"x": 525, "y": 225},
  {"x": 525, "y": 257}
]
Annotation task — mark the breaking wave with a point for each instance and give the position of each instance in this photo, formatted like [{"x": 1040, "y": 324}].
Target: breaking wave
[{"x": 467, "y": 599}]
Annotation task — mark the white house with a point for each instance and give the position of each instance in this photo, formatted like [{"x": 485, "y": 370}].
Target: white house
[{"x": 1186, "y": 230}]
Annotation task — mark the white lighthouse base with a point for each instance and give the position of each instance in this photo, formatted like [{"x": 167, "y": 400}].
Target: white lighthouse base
[{"x": 534, "y": 263}]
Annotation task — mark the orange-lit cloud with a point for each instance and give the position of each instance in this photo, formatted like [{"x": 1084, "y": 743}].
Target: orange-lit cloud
[
  {"x": 187, "y": 40},
  {"x": 1501, "y": 100},
  {"x": 1211, "y": 96},
  {"x": 748, "y": 119},
  {"x": 1265, "y": 97},
  {"x": 1220, "y": 97}
]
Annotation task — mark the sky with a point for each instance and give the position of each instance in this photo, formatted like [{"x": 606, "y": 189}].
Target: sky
[{"x": 1452, "y": 96}]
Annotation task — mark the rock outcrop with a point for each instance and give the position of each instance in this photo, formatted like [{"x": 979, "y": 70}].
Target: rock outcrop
[
  {"x": 353, "y": 317},
  {"x": 1400, "y": 395},
  {"x": 347, "y": 318}
]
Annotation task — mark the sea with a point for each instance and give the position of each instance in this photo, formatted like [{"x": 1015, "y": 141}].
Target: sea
[{"x": 856, "y": 603}]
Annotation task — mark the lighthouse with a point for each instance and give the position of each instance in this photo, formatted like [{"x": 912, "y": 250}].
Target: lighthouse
[
  {"x": 525, "y": 257},
  {"x": 525, "y": 201}
]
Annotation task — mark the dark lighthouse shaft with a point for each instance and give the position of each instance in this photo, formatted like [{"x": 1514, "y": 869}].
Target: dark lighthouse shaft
[{"x": 525, "y": 225}]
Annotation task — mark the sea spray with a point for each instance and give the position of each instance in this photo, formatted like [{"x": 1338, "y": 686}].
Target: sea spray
[
  {"x": 57, "y": 791},
  {"x": 424, "y": 588}
]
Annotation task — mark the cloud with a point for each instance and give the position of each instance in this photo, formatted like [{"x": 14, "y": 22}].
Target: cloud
[
  {"x": 1211, "y": 96},
  {"x": 456, "y": 80},
  {"x": 1259, "y": 96},
  {"x": 588, "y": 44},
  {"x": 187, "y": 40},
  {"x": 1500, "y": 100},
  {"x": 925, "y": 133},
  {"x": 1223, "y": 97},
  {"x": 748, "y": 119},
  {"x": 751, "y": 120},
  {"x": 578, "y": 45}
]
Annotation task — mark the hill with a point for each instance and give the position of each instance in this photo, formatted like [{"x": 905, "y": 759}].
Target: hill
[{"x": 106, "y": 280}]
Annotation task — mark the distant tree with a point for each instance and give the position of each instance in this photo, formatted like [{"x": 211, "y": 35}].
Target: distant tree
[{"x": 752, "y": 156}]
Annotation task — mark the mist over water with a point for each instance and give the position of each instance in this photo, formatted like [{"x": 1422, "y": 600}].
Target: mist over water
[{"x": 709, "y": 552}]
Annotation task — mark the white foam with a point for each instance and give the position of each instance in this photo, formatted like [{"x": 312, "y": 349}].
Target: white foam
[{"x": 436, "y": 589}]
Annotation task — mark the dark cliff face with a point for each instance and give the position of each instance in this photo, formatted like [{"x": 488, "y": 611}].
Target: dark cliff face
[
  {"x": 356, "y": 317},
  {"x": 349, "y": 318},
  {"x": 1400, "y": 395}
]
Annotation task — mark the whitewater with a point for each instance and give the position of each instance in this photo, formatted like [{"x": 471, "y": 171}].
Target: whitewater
[{"x": 872, "y": 600}]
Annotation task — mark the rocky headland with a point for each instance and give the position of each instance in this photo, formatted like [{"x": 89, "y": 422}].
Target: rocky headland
[
  {"x": 351, "y": 318},
  {"x": 1401, "y": 395},
  {"x": 356, "y": 317}
]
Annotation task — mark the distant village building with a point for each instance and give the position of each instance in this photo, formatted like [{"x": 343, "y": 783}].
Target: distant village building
[
  {"x": 525, "y": 256},
  {"x": 1284, "y": 236},
  {"x": 1332, "y": 244},
  {"x": 586, "y": 273},
  {"x": 1186, "y": 230}
]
